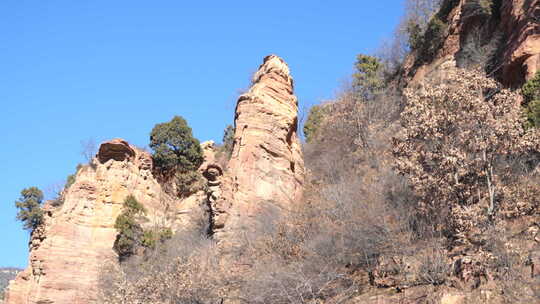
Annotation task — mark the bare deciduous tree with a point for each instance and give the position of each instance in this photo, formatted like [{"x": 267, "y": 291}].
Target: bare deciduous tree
[
  {"x": 421, "y": 10},
  {"x": 393, "y": 50},
  {"x": 53, "y": 193},
  {"x": 88, "y": 149}
]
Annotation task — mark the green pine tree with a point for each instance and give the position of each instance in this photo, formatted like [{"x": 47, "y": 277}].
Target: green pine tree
[
  {"x": 368, "y": 80},
  {"x": 175, "y": 147},
  {"x": 130, "y": 232},
  {"x": 313, "y": 122},
  {"x": 29, "y": 205},
  {"x": 228, "y": 140}
]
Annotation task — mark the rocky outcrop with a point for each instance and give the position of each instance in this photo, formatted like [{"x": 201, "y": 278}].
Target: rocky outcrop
[
  {"x": 209, "y": 151},
  {"x": 520, "y": 21},
  {"x": 116, "y": 149},
  {"x": 509, "y": 32},
  {"x": 213, "y": 174},
  {"x": 266, "y": 169},
  {"x": 68, "y": 252},
  {"x": 265, "y": 173}
]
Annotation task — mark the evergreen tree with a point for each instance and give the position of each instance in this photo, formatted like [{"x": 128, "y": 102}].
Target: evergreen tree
[
  {"x": 175, "y": 147},
  {"x": 531, "y": 93},
  {"x": 29, "y": 205},
  {"x": 129, "y": 230},
  {"x": 228, "y": 139},
  {"x": 313, "y": 122},
  {"x": 368, "y": 80}
]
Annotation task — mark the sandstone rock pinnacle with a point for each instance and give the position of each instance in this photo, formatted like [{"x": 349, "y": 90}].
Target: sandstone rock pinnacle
[{"x": 266, "y": 169}]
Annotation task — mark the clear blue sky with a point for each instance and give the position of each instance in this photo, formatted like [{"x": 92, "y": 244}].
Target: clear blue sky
[{"x": 73, "y": 70}]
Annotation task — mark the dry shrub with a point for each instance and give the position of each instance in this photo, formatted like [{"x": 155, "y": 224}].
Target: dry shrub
[
  {"x": 395, "y": 49},
  {"x": 511, "y": 265},
  {"x": 458, "y": 133},
  {"x": 364, "y": 210},
  {"x": 180, "y": 268},
  {"x": 434, "y": 267},
  {"x": 477, "y": 51},
  {"x": 183, "y": 270},
  {"x": 188, "y": 183},
  {"x": 304, "y": 281},
  {"x": 355, "y": 210}
]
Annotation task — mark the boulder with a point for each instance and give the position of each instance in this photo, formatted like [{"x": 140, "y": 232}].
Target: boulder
[{"x": 117, "y": 149}]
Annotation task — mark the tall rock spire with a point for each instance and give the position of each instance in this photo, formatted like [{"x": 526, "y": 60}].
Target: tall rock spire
[{"x": 266, "y": 169}]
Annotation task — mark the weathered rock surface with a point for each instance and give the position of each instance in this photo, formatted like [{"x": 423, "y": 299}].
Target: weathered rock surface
[
  {"x": 266, "y": 169},
  {"x": 116, "y": 149},
  {"x": 520, "y": 21},
  {"x": 209, "y": 151},
  {"x": 516, "y": 24},
  {"x": 67, "y": 253},
  {"x": 265, "y": 172}
]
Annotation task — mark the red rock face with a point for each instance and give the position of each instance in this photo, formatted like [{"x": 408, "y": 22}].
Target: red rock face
[
  {"x": 68, "y": 252},
  {"x": 519, "y": 24},
  {"x": 266, "y": 168}
]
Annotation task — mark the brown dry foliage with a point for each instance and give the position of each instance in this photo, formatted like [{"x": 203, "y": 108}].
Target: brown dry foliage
[
  {"x": 459, "y": 136},
  {"x": 185, "y": 270}
]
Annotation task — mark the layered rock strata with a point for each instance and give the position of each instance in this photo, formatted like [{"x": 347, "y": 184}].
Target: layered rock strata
[
  {"x": 68, "y": 252},
  {"x": 520, "y": 21},
  {"x": 512, "y": 30},
  {"x": 266, "y": 170}
]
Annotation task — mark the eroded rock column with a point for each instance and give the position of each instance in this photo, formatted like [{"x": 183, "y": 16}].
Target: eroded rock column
[{"x": 265, "y": 174}]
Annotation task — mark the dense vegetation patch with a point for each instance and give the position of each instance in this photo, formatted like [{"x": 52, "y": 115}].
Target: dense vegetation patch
[
  {"x": 313, "y": 122},
  {"x": 427, "y": 44},
  {"x": 131, "y": 235},
  {"x": 130, "y": 232},
  {"x": 446, "y": 8}
]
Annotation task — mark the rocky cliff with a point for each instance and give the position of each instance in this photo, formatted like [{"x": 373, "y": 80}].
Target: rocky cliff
[
  {"x": 520, "y": 23},
  {"x": 69, "y": 250},
  {"x": 265, "y": 173},
  {"x": 505, "y": 35}
]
